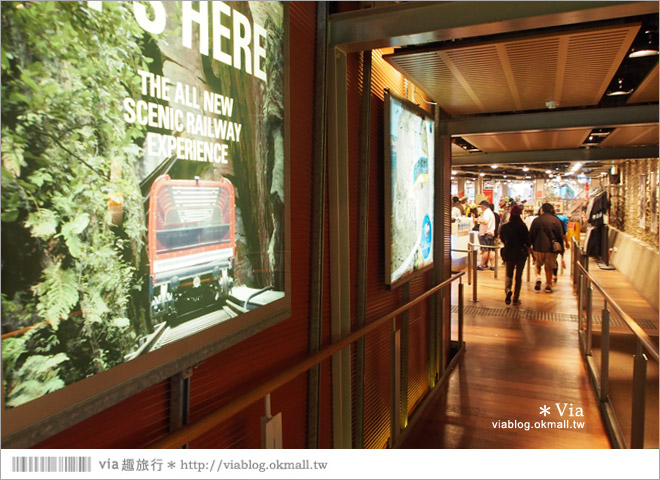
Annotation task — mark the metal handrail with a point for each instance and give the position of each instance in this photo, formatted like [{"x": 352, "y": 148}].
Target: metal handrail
[
  {"x": 628, "y": 320},
  {"x": 193, "y": 430},
  {"x": 600, "y": 380}
]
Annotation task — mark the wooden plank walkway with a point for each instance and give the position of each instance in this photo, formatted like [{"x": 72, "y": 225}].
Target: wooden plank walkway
[{"x": 514, "y": 366}]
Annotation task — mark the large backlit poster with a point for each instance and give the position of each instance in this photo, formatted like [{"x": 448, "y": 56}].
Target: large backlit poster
[
  {"x": 143, "y": 183},
  {"x": 409, "y": 163}
]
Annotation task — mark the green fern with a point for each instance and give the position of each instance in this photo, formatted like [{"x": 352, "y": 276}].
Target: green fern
[
  {"x": 58, "y": 293},
  {"x": 42, "y": 223}
]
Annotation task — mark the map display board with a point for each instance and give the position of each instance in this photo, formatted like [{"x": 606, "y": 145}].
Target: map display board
[{"x": 409, "y": 190}]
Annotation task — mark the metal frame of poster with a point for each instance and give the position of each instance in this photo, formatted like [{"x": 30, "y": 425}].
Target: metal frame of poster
[
  {"x": 145, "y": 197},
  {"x": 409, "y": 189}
]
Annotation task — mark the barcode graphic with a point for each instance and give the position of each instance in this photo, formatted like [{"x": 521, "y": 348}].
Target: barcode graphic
[{"x": 51, "y": 464}]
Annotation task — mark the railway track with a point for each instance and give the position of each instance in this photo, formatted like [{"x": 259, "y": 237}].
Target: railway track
[{"x": 242, "y": 299}]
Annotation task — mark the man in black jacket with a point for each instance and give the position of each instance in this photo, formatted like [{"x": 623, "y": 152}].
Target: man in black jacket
[
  {"x": 515, "y": 236},
  {"x": 545, "y": 230}
]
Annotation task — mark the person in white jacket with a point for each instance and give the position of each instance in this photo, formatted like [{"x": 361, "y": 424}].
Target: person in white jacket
[{"x": 486, "y": 223}]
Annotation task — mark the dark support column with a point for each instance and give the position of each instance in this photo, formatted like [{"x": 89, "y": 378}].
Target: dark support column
[
  {"x": 339, "y": 230},
  {"x": 405, "y": 342},
  {"x": 639, "y": 397},
  {"x": 318, "y": 223},
  {"x": 363, "y": 245},
  {"x": 442, "y": 245},
  {"x": 179, "y": 399}
]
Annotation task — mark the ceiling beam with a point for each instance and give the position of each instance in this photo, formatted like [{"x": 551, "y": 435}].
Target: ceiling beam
[
  {"x": 553, "y": 120},
  {"x": 417, "y": 23},
  {"x": 552, "y": 156}
]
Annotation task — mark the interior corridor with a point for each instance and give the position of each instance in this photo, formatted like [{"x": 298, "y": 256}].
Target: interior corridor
[{"x": 519, "y": 360}]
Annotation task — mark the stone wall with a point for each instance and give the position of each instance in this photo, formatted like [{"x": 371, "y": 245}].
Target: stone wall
[{"x": 639, "y": 198}]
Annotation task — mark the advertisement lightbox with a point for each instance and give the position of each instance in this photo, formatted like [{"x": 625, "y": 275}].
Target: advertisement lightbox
[
  {"x": 409, "y": 192},
  {"x": 144, "y": 194}
]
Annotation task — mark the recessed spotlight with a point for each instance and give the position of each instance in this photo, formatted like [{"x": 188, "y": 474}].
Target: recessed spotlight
[
  {"x": 648, "y": 49},
  {"x": 619, "y": 89},
  {"x": 482, "y": 174},
  {"x": 548, "y": 171},
  {"x": 454, "y": 172},
  {"x": 525, "y": 169},
  {"x": 493, "y": 166}
]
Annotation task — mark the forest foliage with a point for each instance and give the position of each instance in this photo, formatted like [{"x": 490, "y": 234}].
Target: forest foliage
[{"x": 67, "y": 267}]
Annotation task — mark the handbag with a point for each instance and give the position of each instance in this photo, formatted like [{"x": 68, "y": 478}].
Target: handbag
[{"x": 556, "y": 247}]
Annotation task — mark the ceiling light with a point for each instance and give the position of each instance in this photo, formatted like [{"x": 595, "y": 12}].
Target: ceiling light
[
  {"x": 600, "y": 133},
  {"x": 493, "y": 166},
  {"x": 551, "y": 104},
  {"x": 648, "y": 49},
  {"x": 548, "y": 171},
  {"x": 454, "y": 172},
  {"x": 619, "y": 89},
  {"x": 525, "y": 169},
  {"x": 482, "y": 174}
]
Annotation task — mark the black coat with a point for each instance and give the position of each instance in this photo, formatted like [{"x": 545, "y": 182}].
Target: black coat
[
  {"x": 544, "y": 230},
  {"x": 515, "y": 237}
]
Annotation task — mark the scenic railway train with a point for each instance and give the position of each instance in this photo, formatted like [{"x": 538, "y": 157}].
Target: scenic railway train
[{"x": 191, "y": 238}]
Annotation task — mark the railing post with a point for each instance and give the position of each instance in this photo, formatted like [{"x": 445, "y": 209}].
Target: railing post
[
  {"x": 529, "y": 266},
  {"x": 469, "y": 263},
  {"x": 590, "y": 292},
  {"x": 639, "y": 398},
  {"x": 395, "y": 384},
  {"x": 605, "y": 355},
  {"x": 495, "y": 250},
  {"x": 573, "y": 261},
  {"x": 580, "y": 284},
  {"x": 474, "y": 273},
  {"x": 460, "y": 313}
]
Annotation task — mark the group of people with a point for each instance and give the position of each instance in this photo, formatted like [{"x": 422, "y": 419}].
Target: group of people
[{"x": 544, "y": 238}]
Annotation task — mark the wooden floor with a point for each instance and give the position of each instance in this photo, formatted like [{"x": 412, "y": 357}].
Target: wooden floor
[{"x": 516, "y": 363}]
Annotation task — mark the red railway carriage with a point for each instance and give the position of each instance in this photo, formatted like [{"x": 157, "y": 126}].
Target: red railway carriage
[{"x": 191, "y": 236}]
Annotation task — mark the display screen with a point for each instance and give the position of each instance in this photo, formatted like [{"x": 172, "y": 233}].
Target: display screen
[
  {"x": 409, "y": 194},
  {"x": 144, "y": 180}
]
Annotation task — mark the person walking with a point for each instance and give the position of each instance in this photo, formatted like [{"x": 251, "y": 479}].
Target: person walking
[
  {"x": 564, "y": 225},
  {"x": 487, "y": 226},
  {"x": 515, "y": 236},
  {"x": 546, "y": 232},
  {"x": 456, "y": 212}
]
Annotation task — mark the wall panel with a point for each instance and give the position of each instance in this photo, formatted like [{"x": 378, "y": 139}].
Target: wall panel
[
  {"x": 143, "y": 418},
  {"x": 381, "y": 300}
]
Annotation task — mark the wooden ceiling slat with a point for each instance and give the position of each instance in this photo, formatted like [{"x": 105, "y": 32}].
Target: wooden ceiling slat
[
  {"x": 648, "y": 89},
  {"x": 510, "y": 77},
  {"x": 561, "y": 68},
  {"x": 461, "y": 80},
  {"x": 632, "y": 136},
  {"x": 573, "y": 68},
  {"x": 547, "y": 140}
]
